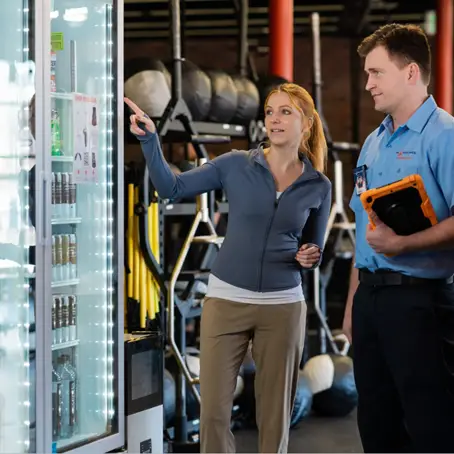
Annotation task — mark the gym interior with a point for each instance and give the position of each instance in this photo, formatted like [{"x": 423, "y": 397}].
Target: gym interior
[
  {"x": 136, "y": 266},
  {"x": 220, "y": 61}
]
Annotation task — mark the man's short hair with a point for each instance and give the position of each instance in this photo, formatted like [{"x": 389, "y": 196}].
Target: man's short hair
[{"x": 405, "y": 43}]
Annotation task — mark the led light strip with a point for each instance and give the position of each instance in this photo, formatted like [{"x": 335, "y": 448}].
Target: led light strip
[
  {"x": 108, "y": 84},
  {"x": 25, "y": 291}
]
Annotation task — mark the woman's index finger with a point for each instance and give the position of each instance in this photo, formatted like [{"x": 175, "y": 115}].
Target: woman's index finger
[{"x": 133, "y": 106}]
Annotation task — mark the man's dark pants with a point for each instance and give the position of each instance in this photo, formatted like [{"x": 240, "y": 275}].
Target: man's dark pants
[{"x": 403, "y": 348}]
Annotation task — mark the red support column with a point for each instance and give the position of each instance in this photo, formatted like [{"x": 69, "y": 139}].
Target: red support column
[
  {"x": 443, "y": 54},
  {"x": 281, "y": 38}
]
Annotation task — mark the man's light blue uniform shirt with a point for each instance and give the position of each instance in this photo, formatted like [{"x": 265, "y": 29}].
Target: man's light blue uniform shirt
[{"x": 424, "y": 145}]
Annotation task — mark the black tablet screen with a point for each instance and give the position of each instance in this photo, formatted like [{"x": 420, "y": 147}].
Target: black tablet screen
[{"x": 401, "y": 210}]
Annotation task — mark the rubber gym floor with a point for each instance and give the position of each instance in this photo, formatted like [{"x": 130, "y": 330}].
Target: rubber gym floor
[{"x": 314, "y": 434}]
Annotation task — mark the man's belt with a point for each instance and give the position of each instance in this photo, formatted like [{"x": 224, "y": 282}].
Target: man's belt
[{"x": 393, "y": 278}]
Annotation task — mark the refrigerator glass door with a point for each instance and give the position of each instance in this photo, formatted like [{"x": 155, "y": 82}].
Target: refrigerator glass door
[
  {"x": 84, "y": 238},
  {"x": 17, "y": 347}
]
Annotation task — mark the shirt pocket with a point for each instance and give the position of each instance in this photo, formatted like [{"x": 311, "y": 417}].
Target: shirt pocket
[{"x": 406, "y": 164}]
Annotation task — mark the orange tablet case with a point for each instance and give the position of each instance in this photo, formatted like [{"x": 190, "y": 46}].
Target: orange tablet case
[{"x": 403, "y": 205}]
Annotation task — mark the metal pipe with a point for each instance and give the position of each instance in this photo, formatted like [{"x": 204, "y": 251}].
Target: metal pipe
[
  {"x": 244, "y": 45},
  {"x": 171, "y": 304},
  {"x": 316, "y": 61},
  {"x": 281, "y": 38},
  {"x": 183, "y": 26},
  {"x": 355, "y": 94},
  {"x": 444, "y": 49},
  {"x": 317, "y": 77},
  {"x": 175, "y": 37},
  {"x": 325, "y": 331},
  {"x": 202, "y": 199}
]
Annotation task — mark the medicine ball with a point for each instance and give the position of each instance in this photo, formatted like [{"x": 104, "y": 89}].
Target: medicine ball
[
  {"x": 169, "y": 397},
  {"x": 248, "y": 101},
  {"x": 193, "y": 364},
  {"x": 303, "y": 401},
  {"x": 224, "y": 97},
  {"x": 192, "y": 404},
  {"x": 342, "y": 397},
  {"x": 196, "y": 88},
  {"x": 247, "y": 402},
  {"x": 147, "y": 83},
  {"x": 319, "y": 373}
]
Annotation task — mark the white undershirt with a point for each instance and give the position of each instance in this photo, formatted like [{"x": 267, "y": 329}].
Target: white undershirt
[{"x": 220, "y": 289}]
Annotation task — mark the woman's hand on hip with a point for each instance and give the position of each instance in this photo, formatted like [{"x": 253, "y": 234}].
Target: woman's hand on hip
[
  {"x": 308, "y": 255},
  {"x": 139, "y": 116}
]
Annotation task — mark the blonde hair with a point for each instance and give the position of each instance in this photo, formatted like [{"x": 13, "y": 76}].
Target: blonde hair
[{"x": 313, "y": 145}]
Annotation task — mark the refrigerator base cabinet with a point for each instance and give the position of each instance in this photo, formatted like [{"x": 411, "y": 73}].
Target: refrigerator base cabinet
[
  {"x": 145, "y": 431},
  {"x": 144, "y": 382}
]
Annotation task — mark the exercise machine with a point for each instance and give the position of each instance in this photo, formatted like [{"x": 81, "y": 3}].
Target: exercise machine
[{"x": 339, "y": 225}]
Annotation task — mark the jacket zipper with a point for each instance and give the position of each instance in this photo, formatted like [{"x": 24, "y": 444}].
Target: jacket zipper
[{"x": 276, "y": 204}]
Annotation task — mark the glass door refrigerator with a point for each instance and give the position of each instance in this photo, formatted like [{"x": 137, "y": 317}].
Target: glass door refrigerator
[
  {"x": 79, "y": 186},
  {"x": 17, "y": 346}
]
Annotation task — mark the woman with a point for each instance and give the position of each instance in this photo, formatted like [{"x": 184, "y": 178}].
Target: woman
[{"x": 279, "y": 203}]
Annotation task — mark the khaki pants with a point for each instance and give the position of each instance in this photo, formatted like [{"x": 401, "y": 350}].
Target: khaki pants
[{"x": 277, "y": 333}]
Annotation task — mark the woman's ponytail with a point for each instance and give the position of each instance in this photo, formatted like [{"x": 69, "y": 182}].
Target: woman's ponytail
[{"x": 314, "y": 144}]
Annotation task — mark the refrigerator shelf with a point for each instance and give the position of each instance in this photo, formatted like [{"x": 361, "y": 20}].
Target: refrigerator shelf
[
  {"x": 67, "y": 283},
  {"x": 62, "y": 96},
  {"x": 62, "y": 158},
  {"x": 66, "y": 221},
  {"x": 64, "y": 345}
]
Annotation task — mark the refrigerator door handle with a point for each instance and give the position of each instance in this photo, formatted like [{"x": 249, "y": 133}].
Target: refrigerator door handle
[{"x": 45, "y": 206}]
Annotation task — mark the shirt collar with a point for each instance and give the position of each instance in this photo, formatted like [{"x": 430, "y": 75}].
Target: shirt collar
[{"x": 417, "y": 121}]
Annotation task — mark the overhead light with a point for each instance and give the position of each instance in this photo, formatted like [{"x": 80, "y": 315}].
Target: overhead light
[
  {"x": 54, "y": 14},
  {"x": 76, "y": 14}
]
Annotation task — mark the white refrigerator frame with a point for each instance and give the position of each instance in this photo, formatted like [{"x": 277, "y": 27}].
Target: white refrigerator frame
[{"x": 43, "y": 311}]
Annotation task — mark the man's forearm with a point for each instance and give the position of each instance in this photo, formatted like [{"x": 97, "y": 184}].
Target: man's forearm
[
  {"x": 440, "y": 236},
  {"x": 354, "y": 282}
]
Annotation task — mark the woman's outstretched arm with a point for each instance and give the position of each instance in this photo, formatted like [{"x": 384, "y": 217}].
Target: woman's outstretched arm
[{"x": 168, "y": 185}]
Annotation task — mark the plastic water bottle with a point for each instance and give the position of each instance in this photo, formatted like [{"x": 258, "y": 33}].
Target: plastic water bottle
[
  {"x": 56, "y": 405},
  {"x": 69, "y": 397}
]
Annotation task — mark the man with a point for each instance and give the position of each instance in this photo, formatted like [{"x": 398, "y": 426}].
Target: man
[{"x": 400, "y": 309}]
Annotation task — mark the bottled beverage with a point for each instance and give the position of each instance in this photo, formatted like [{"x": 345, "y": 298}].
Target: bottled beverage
[
  {"x": 72, "y": 322},
  {"x": 56, "y": 405},
  {"x": 53, "y": 200},
  {"x": 73, "y": 256},
  {"x": 58, "y": 194},
  {"x": 55, "y": 128},
  {"x": 72, "y": 197},
  {"x": 65, "y": 319},
  {"x": 53, "y": 71},
  {"x": 68, "y": 377},
  {"x": 66, "y": 194}
]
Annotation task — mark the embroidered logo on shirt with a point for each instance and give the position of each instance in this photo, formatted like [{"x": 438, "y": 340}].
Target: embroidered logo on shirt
[{"x": 405, "y": 155}]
